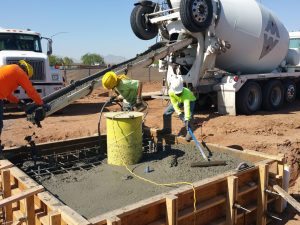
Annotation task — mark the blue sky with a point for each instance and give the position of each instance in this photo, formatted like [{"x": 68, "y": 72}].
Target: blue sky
[{"x": 100, "y": 26}]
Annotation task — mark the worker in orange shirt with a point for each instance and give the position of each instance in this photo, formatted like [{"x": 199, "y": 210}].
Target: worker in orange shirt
[{"x": 11, "y": 77}]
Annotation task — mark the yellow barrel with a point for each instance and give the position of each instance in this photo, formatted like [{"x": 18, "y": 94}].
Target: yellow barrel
[{"x": 124, "y": 137}]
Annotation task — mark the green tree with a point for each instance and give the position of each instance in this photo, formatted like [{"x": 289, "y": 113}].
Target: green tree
[
  {"x": 55, "y": 60},
  {"x": 92, "y": 59},
  {"x": 67, "y": 61}
]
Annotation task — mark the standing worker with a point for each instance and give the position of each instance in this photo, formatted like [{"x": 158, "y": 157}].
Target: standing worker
[
  {"x": 130, "y": 90},
  {"x": 12, "y": 76},
  {"x": 179, "y": 97}
]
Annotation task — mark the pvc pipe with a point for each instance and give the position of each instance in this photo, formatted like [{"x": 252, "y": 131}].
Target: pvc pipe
[{"x": 286, "y": 180}]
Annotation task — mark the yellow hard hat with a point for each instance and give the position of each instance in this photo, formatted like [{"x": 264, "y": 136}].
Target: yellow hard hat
[
  {"x": 109, "y": 80},
  {"x": 27, "y": 66}
]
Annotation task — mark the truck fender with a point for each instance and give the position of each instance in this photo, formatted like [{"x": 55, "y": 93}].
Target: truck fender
[{"x": 145, "y": 3}]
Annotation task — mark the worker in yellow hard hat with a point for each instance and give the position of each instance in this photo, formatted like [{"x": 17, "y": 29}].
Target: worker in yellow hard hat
[
  {"x": 11, "y": 77},
  {"x": 130, "y": 90}
]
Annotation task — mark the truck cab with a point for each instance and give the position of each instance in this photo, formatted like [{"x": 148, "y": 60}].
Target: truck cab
[
  {"x": 295, "y": 44},
  {"x": 16, "y": 44}
]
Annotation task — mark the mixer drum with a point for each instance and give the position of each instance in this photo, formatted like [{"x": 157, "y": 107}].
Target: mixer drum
[{"x": 259, "y": 41}]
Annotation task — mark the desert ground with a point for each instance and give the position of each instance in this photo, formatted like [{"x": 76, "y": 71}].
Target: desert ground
[{"x": 270, "y": 132}]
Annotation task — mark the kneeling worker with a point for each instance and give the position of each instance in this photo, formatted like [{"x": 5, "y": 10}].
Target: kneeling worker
[
  {"x": 11, "y": 77},
  {"x": 130, "y": 90},
  {"x": 179, "y": 97}
]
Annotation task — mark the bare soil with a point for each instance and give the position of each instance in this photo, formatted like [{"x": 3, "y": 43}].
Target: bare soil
[{"x": 270, "y": 132}]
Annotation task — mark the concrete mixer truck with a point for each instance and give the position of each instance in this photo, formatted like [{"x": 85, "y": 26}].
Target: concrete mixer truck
[{"x": 239, "y": 58}]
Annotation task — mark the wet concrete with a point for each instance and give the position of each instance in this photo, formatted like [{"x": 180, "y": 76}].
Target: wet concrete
[{"x": 105, "y": 187}]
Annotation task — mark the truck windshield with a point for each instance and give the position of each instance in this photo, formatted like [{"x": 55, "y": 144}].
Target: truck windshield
[
  {"x": 295, "y": 43},
  {"x": 20, "y": 42}
]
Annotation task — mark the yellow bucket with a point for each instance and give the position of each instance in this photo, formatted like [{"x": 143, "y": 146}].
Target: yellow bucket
[{"x": 124, "y": 137}]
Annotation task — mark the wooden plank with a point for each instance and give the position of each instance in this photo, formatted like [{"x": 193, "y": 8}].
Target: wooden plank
[
  {"x": 172, "y": 209},
  {"x": 201, "y": 207},
  {"x": 232, "y": 195},
  {"x": 7, "y": 194},
  {"x": 20, "y": 196},
  {"x": 30, "y": 210},
  {"x": 262, "y": 202},
  {"x": 279, "y": 204},
  {"x": 293, "y": 202},
  {"x": 69, "y": 216},
  {"x": 246, "y": 189},
  {"x": 24, "y": 181},
  {"x": 5, "y": 164},
  {"x": 54, "y": 218},
  {"x": 114, "y": 221},
  {"x": 17, "y": 223}
]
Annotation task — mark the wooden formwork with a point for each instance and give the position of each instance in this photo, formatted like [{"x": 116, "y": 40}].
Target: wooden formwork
[{"x": 218, "y": 199}]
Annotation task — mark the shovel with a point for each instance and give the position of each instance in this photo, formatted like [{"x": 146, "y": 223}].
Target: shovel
[{"x": 207, "y": 162}]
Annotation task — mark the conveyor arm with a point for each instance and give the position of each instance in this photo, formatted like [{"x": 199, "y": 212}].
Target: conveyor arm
[{"x": 81, "y": 88}]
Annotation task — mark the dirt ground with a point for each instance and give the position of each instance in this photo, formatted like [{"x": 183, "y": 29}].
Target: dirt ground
[{"x": 276, "y": 132}]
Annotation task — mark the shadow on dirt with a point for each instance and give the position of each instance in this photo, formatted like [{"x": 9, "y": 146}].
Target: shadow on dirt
[{"x": 289, "y": 214}]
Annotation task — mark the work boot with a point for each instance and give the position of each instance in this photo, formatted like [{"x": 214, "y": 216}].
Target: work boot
[
  {"x": 167, "y": 125},
  {"x": 188, "y": 137}
]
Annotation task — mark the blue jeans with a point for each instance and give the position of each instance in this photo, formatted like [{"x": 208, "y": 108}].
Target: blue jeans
[
  {"x": 170, "y": 109},
  {"x": 1, "y": 115}
]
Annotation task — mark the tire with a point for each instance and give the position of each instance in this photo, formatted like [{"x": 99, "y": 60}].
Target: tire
[
  {"x": 290, "y": 91},
  {"x": 140, "y": 27},
  {"x": 273, "y": 95},
  {"x": 249, "y": 98},
  {"x": 196, "y": 15}
]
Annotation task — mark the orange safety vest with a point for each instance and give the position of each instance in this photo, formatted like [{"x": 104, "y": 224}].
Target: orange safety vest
[{"x": 12, "y": 76}]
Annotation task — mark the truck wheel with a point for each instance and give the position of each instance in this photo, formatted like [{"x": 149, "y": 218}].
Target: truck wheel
[
  {"x": 196, "y": 15},
  {"x": 140, "y": 25},
  {"x": 290, "y": 91},
  {"x": 273, "y": 95},
  {"x": 249, "y": 98}
]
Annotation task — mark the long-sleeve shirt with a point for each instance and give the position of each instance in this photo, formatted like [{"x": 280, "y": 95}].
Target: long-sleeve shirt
[
  {"x": 12, "y": 76},
  {"x": 186, "y": 97},
  {"x": 128, "y": 89}
]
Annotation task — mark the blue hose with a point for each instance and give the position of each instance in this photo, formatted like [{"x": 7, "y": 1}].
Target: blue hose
[{"x": 197, "y": 144}]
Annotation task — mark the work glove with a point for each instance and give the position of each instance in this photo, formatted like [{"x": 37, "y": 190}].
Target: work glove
[
  {"x": 46, "y": 107},
  {"x": 22, "y": 104},
  {"x": 138, "y": 100},
  {"x": 112, "y": 99},
  {"x": 181, "y": 117}
]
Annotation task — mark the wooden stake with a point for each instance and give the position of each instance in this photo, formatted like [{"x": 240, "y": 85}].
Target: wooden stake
[
  {"x": 6, "y": 194},
  {"x": 232, "y": 195},
  {"x": 262, "y": 202},
  {"x": 22, "y": 195},
  {"x": 30, "y": 210},
  {"x": 172, "y": 209},
  {"x": 114, "y": 221},
  {"x": 287, "y": 197},
  {"x": 54, "y": 218}
]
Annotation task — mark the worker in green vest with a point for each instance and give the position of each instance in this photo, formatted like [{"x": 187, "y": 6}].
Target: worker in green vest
[
  {"x": 130, "y": 90},
  {"x": 180, "y": 97}
]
